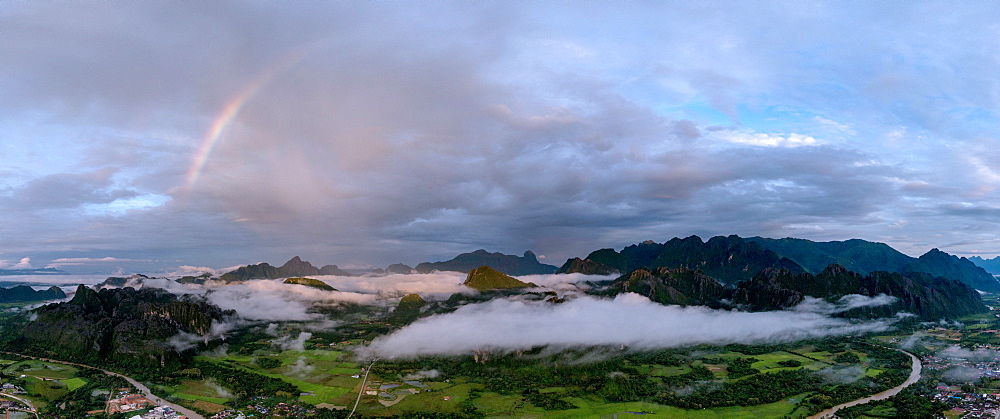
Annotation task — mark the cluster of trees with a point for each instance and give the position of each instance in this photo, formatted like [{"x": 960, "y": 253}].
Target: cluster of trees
[
  {"x": 626, "y": 378},
  {"x": 907, "y": 405},
  {"x": 77, "y": 403},
  {"x": 753, "y": 390},
  {"x": 246, "y": 383}
]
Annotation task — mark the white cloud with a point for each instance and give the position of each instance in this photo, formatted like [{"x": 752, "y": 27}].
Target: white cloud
[
  {"x": 844, "y": 303},
  {"x": 760, "y": 139},
  {"x": 628, "y": 319},
  {"x": 288, "y": 343},
  {"x": 262, "y": 300},
  {"x": 435, "y": 285},
  {"x": 24, "y": 263},
  {"x": 90, "y": 261}
]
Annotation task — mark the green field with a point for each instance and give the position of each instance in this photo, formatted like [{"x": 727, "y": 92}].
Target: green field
[
  {"x": 319, "y": 372},
  {"x": 185, "y": 396},
  {"x": 74, "y": 383},
  {"x": 590, "y": 409},
  {"x": 41, "y": 369},
  {"x": 326, "y": 377}
]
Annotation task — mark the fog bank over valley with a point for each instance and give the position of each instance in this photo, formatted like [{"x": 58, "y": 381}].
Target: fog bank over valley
[{"x": 629, "y": 320}]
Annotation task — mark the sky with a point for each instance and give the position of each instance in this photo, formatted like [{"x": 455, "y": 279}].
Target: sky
[{"x": 144, "y": 136}]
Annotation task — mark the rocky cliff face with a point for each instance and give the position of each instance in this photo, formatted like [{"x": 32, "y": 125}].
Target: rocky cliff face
[
  {"x": 727, "y": 259},
  {"x": 680, "y": 286},
  {"x": 767, "y": 291},
  {"x": 586, "y": 267},
  {"x": 928, "y": 297},
  {"x": 865, "y": 257},
  {"x": 123, "y": 326}
]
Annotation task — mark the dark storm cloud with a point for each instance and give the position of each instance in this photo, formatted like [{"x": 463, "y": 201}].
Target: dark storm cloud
[
  {"x": 378, "y": 133},
  {"x": 66, "y": 190}
]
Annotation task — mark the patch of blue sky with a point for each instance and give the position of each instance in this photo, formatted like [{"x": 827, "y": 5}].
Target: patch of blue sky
[
  {"x": 34, "y": 146},
  {"x": 787, "y": 119},
  {"x": 976, "y": 120},
  {"x": 125, "y": 205},
  {"x": 778, "y": 119},
  {"x": 701, "y": 113}
]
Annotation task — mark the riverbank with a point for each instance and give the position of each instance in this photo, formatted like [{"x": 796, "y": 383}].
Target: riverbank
[{"x": 915, "y": 370}]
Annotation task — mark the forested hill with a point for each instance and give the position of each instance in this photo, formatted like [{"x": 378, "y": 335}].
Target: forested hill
[
  {"x": 508, "y": 264},
  {"x": 727, "y": 259},
  {"x": 733, "y": 259},
  {"x": 122, "y": 326},
  {"x": 928, "y": 297},
  {"x": 863, "y": 257}
]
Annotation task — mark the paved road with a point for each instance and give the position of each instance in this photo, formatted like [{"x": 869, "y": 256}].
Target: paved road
[
  {"x": 362, "y": 391},
  {"x": 142, "y": 388},
  {"x": 914, "y": 377},
  {"x": 26, "y": 402}
]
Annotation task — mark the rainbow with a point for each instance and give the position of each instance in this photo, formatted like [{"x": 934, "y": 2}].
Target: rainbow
[{"x": 232, "y": 109}]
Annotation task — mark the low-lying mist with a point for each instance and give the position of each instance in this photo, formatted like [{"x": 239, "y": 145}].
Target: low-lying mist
[
  {"x": 273, "y": 300},
  {"x": 629, "y": 320}
]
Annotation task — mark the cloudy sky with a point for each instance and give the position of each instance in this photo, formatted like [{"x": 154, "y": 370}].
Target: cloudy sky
[{"x": 148, "y": 135}]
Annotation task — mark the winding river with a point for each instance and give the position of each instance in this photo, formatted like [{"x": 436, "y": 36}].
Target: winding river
[{"x": 914, "y": 376}]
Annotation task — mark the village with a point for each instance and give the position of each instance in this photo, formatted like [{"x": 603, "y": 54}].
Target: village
[
  {"x": 127, "y": 401},
  {"x": 968, "y": 400},
  {"x": 258, "y": 408}
]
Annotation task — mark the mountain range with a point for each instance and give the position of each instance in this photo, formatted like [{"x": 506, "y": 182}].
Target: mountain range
[
  {"x": 294, "y": 267},
  {"x": 511, "y": 265},
  {"x": 24, "y": 293},
  {"x": 927, "y": 297},
  {"x": 733, "y": 259},
  {"x": 864, "y": 257},
  {"x": 990, "y": 265}
]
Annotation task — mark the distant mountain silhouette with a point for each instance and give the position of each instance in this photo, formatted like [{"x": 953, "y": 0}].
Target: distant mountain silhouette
[
  {"x": 24, "y": 293},
  {"x": 990, "y": 265},
  {"x": 333, "y": 270},
  {"x": 295, "y": 267},
  {"x": 508, "y": 264},
  {"x": 398, "y": 268},
  {"x": 864, "y": 257}
]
